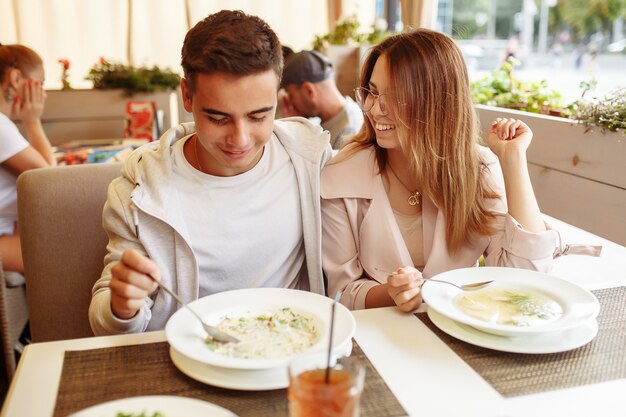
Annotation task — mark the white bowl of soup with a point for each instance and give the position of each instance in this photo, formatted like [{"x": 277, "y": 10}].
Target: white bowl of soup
[
  {"x": 272, "y": 324},
  {"x": 518, "y": 302}
]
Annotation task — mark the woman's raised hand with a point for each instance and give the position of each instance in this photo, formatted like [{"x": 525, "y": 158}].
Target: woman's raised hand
[
  {"x": 508, "y": 135},
  {"x": 28, "y": 106}
]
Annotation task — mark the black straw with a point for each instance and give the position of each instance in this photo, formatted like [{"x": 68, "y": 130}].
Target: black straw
[{"x": 330, "y": 338}]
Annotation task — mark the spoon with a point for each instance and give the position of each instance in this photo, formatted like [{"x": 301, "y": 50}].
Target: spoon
[
  {"x": 213, "y": 332},
  {"x": 330, "y": 338},
  {"x": 465, "y": 287}
]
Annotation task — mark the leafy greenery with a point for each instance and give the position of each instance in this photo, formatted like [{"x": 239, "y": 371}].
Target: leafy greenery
[
  {"x": 347, "y": 32},
  {"x": 584, "y": 17},
  {"x": 106, "y": 75},
  {"x": 502, "y": 89},
  {"x": 607, "y": 113}
]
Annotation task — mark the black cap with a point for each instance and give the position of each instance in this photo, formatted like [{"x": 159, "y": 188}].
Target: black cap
[{"x": 305, "y": 66}]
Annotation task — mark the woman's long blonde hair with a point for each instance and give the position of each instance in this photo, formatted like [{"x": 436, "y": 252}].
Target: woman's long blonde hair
[{"x": 437, "y": 128}]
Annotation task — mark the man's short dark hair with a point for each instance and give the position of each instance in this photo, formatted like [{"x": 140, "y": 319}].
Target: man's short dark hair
[{"x": 231, "y": 42}]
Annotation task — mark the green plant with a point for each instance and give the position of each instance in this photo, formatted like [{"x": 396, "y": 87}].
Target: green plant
[
  {"x": 608, "y": 113},
  {"x": 106, "y": 75},
  {"x": 347, "y": 32},
  {"x": 502, "y": 89}
]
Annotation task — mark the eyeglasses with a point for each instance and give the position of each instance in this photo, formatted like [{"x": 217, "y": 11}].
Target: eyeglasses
[{"x": 365, "y": 99}]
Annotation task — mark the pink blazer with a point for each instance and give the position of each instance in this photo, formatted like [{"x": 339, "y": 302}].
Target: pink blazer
[{"x": 360, "y": 232}]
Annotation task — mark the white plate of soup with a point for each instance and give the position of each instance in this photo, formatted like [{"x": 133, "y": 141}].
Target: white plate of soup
[
  {"x": 273, "y": 325},
  {"x": 542, "y": 343},
  {"x": 240, "y": 379},
  {"x": 518, "y": 302}
]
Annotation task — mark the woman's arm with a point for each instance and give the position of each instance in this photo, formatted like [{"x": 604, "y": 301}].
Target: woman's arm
[
  {"x": 343, "y": 269},
  {"x": 509, "y": 139},
  {"x": 28, "y": 107},
  {"x": 340, "y": 257}
]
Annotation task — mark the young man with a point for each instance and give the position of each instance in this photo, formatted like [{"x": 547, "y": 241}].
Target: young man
[
  {"x": 309, "y": 82},
  {"x": 229, "y": 201}
]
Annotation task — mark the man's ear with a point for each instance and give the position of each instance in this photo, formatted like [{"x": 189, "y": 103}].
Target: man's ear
[
  {"x": 308, "y": 89},
  {"x": 187, "y": 94}
]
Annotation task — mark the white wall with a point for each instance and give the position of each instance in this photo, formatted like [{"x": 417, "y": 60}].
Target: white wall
[{"x": 83, "y": 30}]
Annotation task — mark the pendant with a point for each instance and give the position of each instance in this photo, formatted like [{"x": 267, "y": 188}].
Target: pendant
[{"x": 414, "y": 199}]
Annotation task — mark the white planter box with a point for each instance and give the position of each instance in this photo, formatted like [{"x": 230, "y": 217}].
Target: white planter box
[
  {"x": 578, "y": 177},
  {"x": 97, "y": 114}
]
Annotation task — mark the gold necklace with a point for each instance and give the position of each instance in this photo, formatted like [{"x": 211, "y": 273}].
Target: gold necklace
[
  {"x": 414, "y": 196},
  {"x": 195, "y": 152}
]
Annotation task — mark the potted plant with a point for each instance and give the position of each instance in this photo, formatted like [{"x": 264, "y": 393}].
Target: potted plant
[
  {"x": 100, "y": 113},
  {"x": 111, "y": 75},
  {"x": 501, "y": 89},
  {"x": 345, "y": 46},
  {"x": 607, "y": 113}
]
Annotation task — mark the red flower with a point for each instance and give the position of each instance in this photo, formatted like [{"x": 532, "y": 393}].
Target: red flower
[
  {"x": 66, "y": 63},
  {"x": 102, "y": 61}
]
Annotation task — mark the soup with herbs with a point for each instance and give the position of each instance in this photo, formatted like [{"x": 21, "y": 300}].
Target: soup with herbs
[
  {"x": 272, "y": 334},
  {"x": 509, "y": 307}
]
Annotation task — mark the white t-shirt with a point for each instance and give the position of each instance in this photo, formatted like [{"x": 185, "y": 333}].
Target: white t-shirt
[
  {"x": 245, "y": 230},
  {"x": 11, "y": 143}
]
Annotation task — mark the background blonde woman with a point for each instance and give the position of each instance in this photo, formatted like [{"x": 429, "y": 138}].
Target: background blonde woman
[
  {"x": 416, "y": 193},
  {"x": 23, "y": 96}
]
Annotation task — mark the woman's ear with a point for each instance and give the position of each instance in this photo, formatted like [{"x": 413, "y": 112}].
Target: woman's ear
[{"x": 15, "y": 78}]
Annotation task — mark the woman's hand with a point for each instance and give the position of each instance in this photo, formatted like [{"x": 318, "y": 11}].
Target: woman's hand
[
  {"x": 405, "y": 288},
  {"x": 509, "y": 135},
  {"x": 28, "y": 106}
]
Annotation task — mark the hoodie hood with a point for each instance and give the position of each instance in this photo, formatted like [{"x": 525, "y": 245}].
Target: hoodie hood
[{"x": 136, "y": 168}]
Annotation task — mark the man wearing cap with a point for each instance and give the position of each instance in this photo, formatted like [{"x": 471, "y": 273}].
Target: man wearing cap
[{"x": 308, "y": 79}]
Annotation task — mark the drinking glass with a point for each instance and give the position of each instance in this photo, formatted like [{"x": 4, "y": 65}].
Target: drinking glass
[{"x": 310, "y": 395}]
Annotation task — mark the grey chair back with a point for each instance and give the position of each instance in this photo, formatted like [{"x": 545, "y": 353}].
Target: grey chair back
[
  {"x": 63, "y": 245},
  {"x": 13, "y": 316}
]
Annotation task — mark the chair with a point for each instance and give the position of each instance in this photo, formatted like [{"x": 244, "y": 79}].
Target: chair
[
  {"x": 13, "y": 315},
  {"x": 63, "y": 245}
]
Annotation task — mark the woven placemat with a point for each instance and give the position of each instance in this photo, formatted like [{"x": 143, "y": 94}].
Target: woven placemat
[
  {"x": 514, "y": 374},
  {"x": 94, "y": 376}
]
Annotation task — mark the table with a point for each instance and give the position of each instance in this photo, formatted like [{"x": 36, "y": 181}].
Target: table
[
  {"x": 84, "y": 151},
  {"x": 425, "y": 375}
]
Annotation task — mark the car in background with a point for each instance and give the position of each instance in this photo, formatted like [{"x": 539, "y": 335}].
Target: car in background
[{"x": 617, "y": 47}]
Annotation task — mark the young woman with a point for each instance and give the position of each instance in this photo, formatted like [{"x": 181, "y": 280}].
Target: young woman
[
  {"x": 414, "y": 192},
  {"x": 23, "y": 96}
]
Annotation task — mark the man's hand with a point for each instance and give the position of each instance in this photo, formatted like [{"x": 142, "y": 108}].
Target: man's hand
[{"x": 130, "y": 283}]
